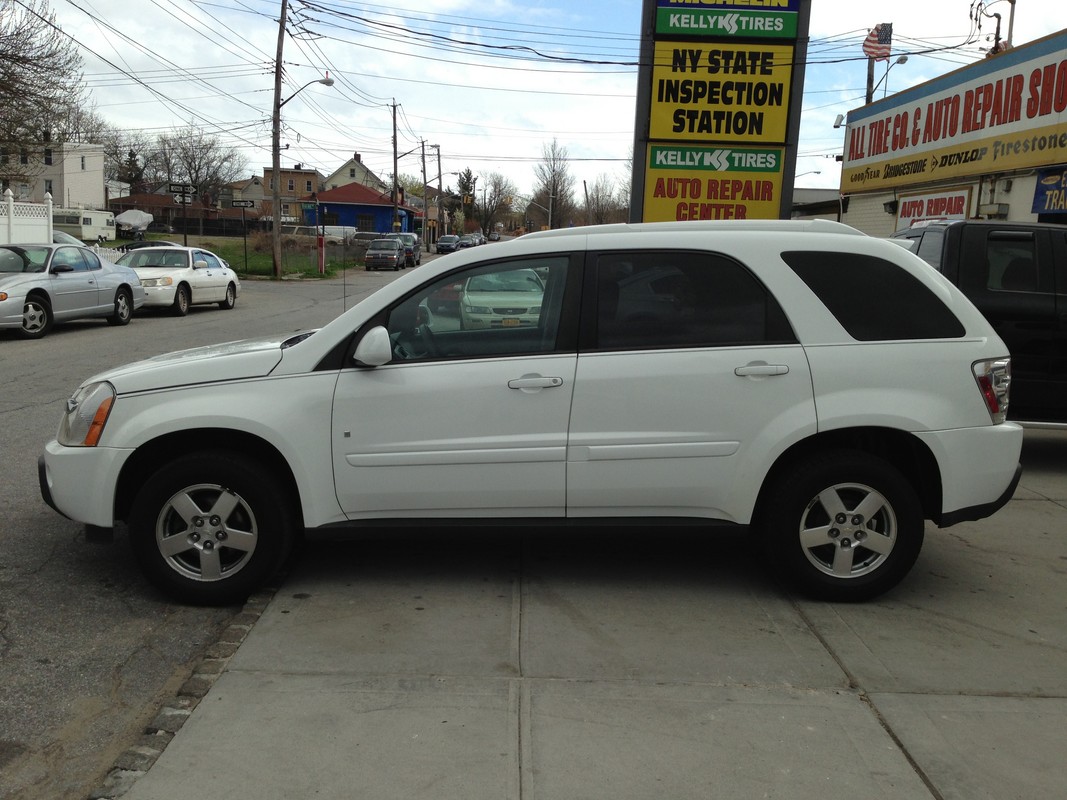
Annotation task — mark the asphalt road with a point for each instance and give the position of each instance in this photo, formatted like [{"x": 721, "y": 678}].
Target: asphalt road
[{"x": 87, "y": 648}]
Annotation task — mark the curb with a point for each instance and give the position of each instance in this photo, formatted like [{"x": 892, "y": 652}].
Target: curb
[{"x": 137, "y": 759}]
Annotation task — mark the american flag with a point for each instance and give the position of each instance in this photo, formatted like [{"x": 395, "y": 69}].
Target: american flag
[{"x": 879, "y": 41}]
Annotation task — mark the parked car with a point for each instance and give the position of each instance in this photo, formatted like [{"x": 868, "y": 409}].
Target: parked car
[
  {"x": 446, "y": 243},
  {"x": 159, "y": 227},
  {"x": 1016, "y": 274},
  {"x": 828, "y": 390},
  {"x": 42, "y": 284},
  {"x": 62, "y": 237},
  {"x": 494, "y": 237},
  {"x": 139, "y": 243},
  {"x": 180, "y": 277},
  {"x": 385, "y": 254},
  {"x": 412, "y": 247},
  {"x": 465, "y": 241},
  {"x": 509, "y": 299},
  {"x": 331, "y": 234}
]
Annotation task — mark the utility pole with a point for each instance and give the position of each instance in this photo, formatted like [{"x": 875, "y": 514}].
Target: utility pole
[
  {"x": 275, "y": 151},
  {"x": 425, "y": 201},
  {"x": 396, "y": 185},
  {"x": 441, "y": 227}
]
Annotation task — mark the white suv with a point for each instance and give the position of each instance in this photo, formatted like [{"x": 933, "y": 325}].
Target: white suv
[{"x": 825, "y": 388}]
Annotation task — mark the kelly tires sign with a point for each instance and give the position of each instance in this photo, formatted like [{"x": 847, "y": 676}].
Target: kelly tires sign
[{"x": 718, "y": 109}]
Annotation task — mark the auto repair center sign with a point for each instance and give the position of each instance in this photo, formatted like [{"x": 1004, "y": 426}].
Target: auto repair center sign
[
  {"x": 720, "y": 94},
  {"x": 1007, "y": 112}
]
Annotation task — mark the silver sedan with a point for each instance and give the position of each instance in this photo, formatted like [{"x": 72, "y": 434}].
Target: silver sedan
[{"x": 41, "y": 284}]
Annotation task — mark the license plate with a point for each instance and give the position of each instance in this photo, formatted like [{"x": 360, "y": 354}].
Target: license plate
[{"x": 510, "y": 322}]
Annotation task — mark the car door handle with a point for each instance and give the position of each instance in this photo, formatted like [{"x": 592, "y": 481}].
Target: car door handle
[
  {"x": 760, "y": 370},
  {"x": 534, "y": 382}
]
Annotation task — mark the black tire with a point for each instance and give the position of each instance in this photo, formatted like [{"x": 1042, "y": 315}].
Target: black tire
[
  {"x": 396, "y": 267},
  {"x": 123, "y": 308},
  {"x": 181, "y": 300},
  {"x": 841, "y": 526},
  {"x": 200, "y": 557},
  {"x": 231, "y": 298},
  {"x": 37, "y": 317}
]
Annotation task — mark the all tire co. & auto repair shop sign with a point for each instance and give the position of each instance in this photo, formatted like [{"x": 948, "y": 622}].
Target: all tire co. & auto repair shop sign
[
  {"x": 718, "y": 109},
  {"x": 1007, "y": 112}
]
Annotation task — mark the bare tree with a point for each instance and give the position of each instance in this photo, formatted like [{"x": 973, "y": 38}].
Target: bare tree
[
  {"x": 191, "y": 156},
  {"x": 497, "y": 199},
  {"x": 40, "y": 72},
  {"x": 605, "y": 202},
  {"x": 555, "y": 187}
]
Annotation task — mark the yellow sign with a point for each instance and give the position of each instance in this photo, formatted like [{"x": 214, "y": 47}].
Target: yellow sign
[
  {"x": 726, "y": 92},
  {"x": 1001, "y": 114},
  {"x": 684, "y": 182},
  {"x": 1002, "y": 153}
]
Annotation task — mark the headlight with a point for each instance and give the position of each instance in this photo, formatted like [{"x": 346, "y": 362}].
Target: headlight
[
  {"x": 157, "y": 281},
  {"x": 86, "y": 414},
  {"x": 479, "y": 310}
]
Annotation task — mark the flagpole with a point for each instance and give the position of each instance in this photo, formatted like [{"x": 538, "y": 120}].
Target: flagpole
[{"x": 870, "y": 80}]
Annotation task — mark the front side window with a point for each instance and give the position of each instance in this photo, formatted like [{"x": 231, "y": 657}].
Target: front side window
[
  {"x": 682, "y": 299},
  {"x": 212, "y": 262},
  {"x": 69, "y": 257},
  {"x": 511, "y": 308}
]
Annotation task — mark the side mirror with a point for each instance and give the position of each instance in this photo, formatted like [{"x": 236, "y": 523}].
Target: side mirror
[
  {"x": 199, "y": 265},
  {"x": 374, "y": 349},
  {"x": 58, "y": 268}
]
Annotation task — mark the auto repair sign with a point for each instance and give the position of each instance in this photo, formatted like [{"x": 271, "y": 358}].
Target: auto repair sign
[{"x": 1007, "y": 112}]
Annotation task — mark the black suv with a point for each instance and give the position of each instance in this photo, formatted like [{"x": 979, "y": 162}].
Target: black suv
[{"x": 1016, "y": 274}]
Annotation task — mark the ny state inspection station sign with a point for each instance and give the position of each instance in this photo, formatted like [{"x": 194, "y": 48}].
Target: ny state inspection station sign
[{"x": 721, "y": 94}]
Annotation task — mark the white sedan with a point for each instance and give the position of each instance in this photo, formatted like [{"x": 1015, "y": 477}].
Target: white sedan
[{"x": 179, "y": 277}]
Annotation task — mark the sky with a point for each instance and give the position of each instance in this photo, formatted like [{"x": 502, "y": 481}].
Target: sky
[{"x": 488, "y": 85}]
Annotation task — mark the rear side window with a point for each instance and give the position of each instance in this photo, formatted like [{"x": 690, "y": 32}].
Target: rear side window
[
  {"x": 874, "y": 299},
  {"x": 650, "y": 299},
  {"x": 930, "y": 246}
]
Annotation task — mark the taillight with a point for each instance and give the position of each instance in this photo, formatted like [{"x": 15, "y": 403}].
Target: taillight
[{"x": 994, "y": 381}]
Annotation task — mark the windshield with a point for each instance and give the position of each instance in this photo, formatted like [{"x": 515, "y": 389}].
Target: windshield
[
  {"x": 154, "y": 257},
  {"x": 23, "y": 259},
  {"x": 521, "y": 280}
]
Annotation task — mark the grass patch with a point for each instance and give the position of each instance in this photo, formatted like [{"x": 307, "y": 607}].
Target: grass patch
[{"x": 299, "y": 258}]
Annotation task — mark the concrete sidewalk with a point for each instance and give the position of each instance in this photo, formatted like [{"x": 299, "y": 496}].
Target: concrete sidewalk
[{"x": 542, "y": 666}]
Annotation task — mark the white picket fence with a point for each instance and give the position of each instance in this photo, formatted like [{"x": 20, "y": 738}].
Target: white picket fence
[{"x": 25, "y": 223}]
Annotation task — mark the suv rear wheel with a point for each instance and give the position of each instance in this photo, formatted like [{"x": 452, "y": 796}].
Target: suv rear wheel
[{"x": 843, "y": 525}]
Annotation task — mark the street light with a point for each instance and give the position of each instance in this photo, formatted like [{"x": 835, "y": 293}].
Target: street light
[
  {"x": 901, "y": 59},
  {"x": 276, "y": 189}
]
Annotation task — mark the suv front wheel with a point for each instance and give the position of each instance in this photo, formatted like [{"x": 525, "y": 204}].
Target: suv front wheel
[
  {"x": 842, "y": 526},
  {"x": 209, "y": 528}
]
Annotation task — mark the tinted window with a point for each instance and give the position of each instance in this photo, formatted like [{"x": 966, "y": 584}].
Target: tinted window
[
  {"x": 874, "y": 299},
  {"x": 1010, "y": 263},
  {"x": 929, "y": 249},
  {"x": 678, "y": 299}
]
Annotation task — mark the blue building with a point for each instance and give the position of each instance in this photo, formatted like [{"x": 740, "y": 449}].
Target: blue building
[{"x": 358, "y": 206}]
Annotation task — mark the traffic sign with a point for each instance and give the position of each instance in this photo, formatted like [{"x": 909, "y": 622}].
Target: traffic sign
[
  {"x": 182, "y": 188},
  {"x": 183, "y": 199},
  {"x": 243, "y": 203}
]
